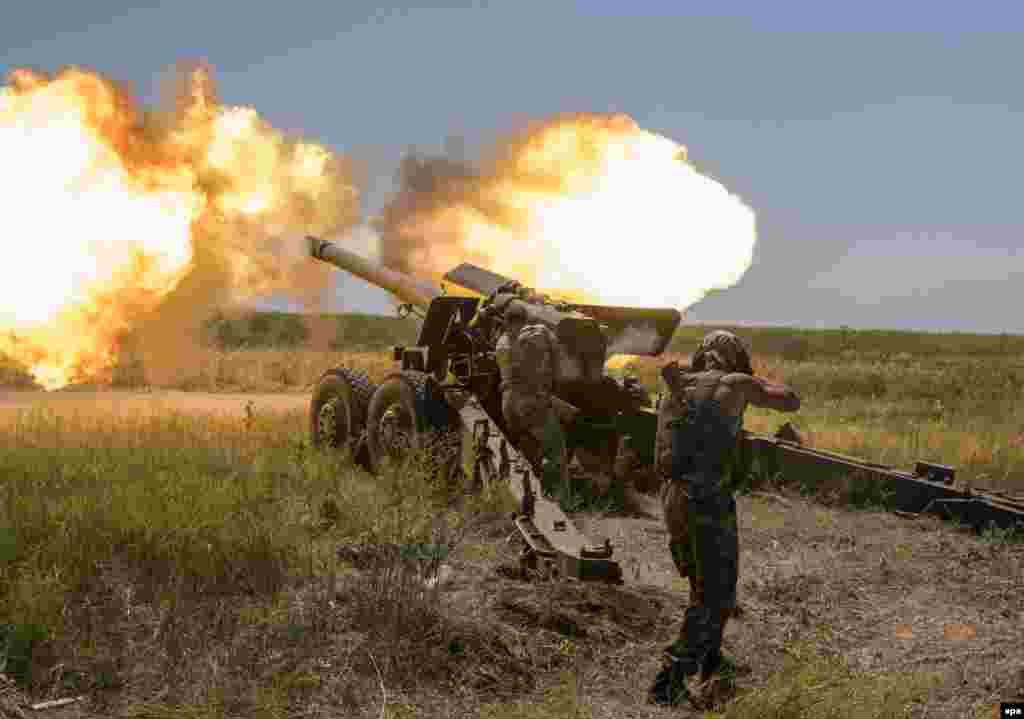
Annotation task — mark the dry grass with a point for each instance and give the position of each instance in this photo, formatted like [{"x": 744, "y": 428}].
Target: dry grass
[
  {"x": 185, "y": 566},
  {"x": 258, "y": 370},
  {"x": 962, "y": 411},
  {"x": 196, "y": 558},
  {"x": 814, "y": 686},
  {"x": 564, "y": 699},
  {"x": 956, "y": 409},
  {"x": 891, "y": 397},
  {"x": 174, "y": 565}
]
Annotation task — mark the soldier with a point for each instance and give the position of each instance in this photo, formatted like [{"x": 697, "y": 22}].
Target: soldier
[
  {"x": 528, "y": 360},
  {"x": 699, "y": 425}
]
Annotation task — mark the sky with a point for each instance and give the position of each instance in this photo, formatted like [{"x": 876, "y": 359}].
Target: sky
[{"x": 879, "y": 143}]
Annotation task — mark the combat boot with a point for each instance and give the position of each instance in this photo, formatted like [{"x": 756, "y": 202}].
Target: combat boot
[
  {"x": 671, "y": 686},
  {"x": 680, "y": 681}
]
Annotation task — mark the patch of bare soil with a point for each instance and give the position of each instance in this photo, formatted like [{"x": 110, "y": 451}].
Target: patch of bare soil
[{"x": 887, "y": 594}]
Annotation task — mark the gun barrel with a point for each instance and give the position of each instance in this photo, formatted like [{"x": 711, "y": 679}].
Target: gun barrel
[{"x": 405, "y": 288}]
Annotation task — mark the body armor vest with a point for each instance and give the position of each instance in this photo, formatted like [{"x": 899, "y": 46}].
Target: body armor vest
[
  {"x": 704, "y": 437},
  {"x": 527, "y": 361}
]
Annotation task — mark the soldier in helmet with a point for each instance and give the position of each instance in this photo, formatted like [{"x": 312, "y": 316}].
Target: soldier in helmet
[
  {"x": 699, "y": 425},
  {"x": 528, "y": 360}
]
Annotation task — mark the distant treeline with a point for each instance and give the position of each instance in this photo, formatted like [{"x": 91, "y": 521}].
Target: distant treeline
[
  {"x": 359, "y": 332},
  {"x": 282, "y": 329},
  {"x": 801, "y": 344}
]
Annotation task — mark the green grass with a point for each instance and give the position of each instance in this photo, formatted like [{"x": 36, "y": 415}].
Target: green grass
[
  {"x": 815, "y": 686},
  {"x": 563, "y": 700},
  {"x": 797, "y": 344},
  {"x": 889, "y": 397},
  {"x": 180, "y": 511}
]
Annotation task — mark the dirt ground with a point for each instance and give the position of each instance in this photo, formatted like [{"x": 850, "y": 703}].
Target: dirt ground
[{"x": 890, "y": 595}]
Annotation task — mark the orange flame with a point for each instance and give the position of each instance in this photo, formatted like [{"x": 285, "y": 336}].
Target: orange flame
[
  {"x": 583, "y": 206},
  {"x": 109, "y": 209}
]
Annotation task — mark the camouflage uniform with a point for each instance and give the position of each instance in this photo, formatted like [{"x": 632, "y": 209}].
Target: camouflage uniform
[
  {"x": 527, "y": 359},
  {"x": 729, "y": 352},
  {"x": 696, "y": 446},
  {"x": 674, "y": 495}
]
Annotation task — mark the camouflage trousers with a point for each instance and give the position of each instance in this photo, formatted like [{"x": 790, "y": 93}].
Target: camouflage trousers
[
  {"x": 532, "y": 420},
  {"x": 704, "y": 542}
]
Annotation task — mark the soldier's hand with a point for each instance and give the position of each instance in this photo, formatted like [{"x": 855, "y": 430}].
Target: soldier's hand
[{"x": 670, "y": 373}]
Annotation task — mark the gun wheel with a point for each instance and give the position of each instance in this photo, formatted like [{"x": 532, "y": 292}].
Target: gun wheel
[
  {"x": 337, "y": 412},
  {"x": 332, "y": 414},
  {"x": 406, "y": 417},
  {"x": 396, "y": 432}
]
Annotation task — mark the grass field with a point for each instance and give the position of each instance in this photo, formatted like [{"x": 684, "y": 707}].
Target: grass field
[
  {"x": 887, "y": 396},
  {"x": 175, "y": 566},
  {"x": 958, "y": 410},
  {"x": 890, "y": 397},
  {"x": 143, "y": 549}
]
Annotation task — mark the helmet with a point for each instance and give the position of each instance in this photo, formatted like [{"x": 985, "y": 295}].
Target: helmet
[
  {"x": 728, "y": 351},
  {"x": 515, "y": 313}
]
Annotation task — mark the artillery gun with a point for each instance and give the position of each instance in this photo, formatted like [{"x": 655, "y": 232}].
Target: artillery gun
[{"x": 445, "y": 395}]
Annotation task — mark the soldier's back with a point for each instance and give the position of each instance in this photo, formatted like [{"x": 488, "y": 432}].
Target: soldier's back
[{"x": 529, "y": 359}]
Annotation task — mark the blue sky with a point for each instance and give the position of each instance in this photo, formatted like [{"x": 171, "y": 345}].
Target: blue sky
[{"x": 879, "y": 143}]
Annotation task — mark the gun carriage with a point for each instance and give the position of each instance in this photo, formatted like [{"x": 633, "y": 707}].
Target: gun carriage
[{"x": 444, "y": 395}]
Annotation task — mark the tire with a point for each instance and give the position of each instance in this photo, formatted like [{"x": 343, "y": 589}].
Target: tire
[
  {"x": 337, "y": 411},
  {"x": 407, "y": 414}
]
